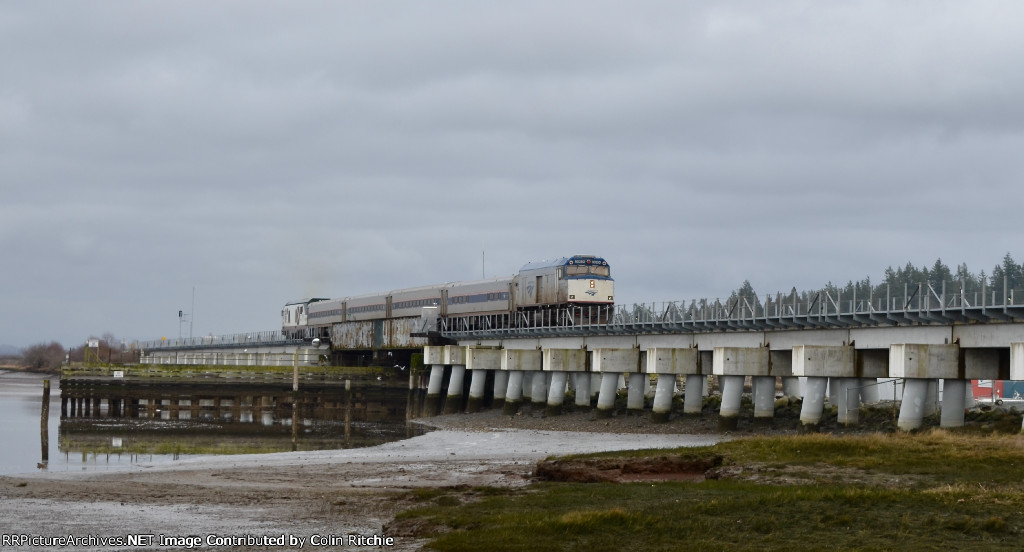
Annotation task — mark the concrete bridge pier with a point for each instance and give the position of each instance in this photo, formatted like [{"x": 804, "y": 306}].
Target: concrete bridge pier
[
  {"x": 453, "y": 401},
  {"x": 456, "y": 357},
  {"x": 479, "y": 361},
  {"x": 693, "y": 394},
  {"x": 556, "y": 394},
  {"x": 582, "y": 382},
  {"x": 514, "y": 394},
  {"x": 732, "y": 365},
  {"x": 500, "y": 388},
  {"x": 814, "y": 401},
  {"x": 915, "y": 392},
  {"x": 606, "y": 398},
  {"x": 519, "y": 364},
  {"x": 764, "y": 398},
  {"x": 539, "y": 390},
  {"x": 732, "y": 394},
  {"x": 477, "y": 390},
  {"x": 433, "y": 357},
  {"x": 953, "y": 403},
  {"x": 561, "y": 363},
  {"x": 920, "y": 364},
  {"x": 635, "y": 397},
  {"x": 791, "y": 386},
  {"x": 819, "y": 364},
  {"x": 613, "y": 364},
  {"x": 848, "y": 401},
  {"x": 663, "y": 394},
  {"x": 668, "y": 363}
]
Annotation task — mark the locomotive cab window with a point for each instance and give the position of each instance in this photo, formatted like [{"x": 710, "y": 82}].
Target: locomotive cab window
[{"x": 585, "y": 270}]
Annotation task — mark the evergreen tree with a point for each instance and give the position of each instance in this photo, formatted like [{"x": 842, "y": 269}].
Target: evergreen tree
[{"x": 938, "y": 274}]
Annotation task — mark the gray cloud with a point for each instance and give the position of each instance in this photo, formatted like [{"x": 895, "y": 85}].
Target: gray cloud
[{"x": 264, "y": 151}]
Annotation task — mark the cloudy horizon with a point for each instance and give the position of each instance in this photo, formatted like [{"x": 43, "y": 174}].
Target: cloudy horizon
[{"x": 259, "y": 152}]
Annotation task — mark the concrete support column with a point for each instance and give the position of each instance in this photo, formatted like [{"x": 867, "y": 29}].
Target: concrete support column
[
  {"x": 606, "y": 399},
  {"x": 732, "y": 365},
  {"x": 477, "y": 390},
  {"x": 556, "y": 395},
  {"x": 814, "y": 401},
  {"x": 732, "y": 393},
  {"x": 595, "y": 385},
  {"x": 480, "y": 361},
  {"x": 433, "y": 402},
  {"x": 663, "y": 398},
  {"x": 521, "y": 365},
  {"x": 953, "y": 402},
  {"x": 920, "y": 365},
  {"x": 833, "y": 391},
  {"x": 764, "y": 398},
  {"x": 500, "y": 387},
  {"x": 693, "y": 398},
  {"x": 829, "y": 367},
  {"x": 915, "y": 393},
  {"x": 514, "y": 394},
  {"x": 582, "y": 380},
  {"x": 561, "y": 363},
  {"x": 635, "y": 397},
  {"x": 791, "y": 386},
  {"x": 668, "y": 364},
  {"x": 539, "y": 392},
  {"x": 613, "y": 364},
  {"x": 528, "y": 386},
  {"x": 849, "y": 401},
  {"x": 453, "y": 402}
]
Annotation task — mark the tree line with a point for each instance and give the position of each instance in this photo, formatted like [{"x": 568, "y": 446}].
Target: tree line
[
  {"x": 895, "y": 280},
  {"x": 48, "y": 357}
]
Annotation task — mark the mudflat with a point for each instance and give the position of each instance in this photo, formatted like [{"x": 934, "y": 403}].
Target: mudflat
[{"x": 300, "y": 500}]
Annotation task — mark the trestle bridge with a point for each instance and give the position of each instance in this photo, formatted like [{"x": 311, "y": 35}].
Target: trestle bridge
[{"x": 823, "y": 345}]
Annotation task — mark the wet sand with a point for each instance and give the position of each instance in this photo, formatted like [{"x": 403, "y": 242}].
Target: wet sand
[{"x": 319, "y": 494}]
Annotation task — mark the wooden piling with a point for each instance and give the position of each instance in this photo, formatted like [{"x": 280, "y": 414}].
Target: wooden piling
[{"x": 44, "y": 425}]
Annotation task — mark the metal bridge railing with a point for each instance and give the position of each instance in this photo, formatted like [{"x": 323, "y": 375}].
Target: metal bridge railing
[
  {"x": 915, "y": 305},
  {"x": 214, "y": 341},
  {"x": 921, "y": 304}
]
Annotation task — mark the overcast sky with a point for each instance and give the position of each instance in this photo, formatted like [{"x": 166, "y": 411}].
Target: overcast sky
[{"x": 259, "y": 152}]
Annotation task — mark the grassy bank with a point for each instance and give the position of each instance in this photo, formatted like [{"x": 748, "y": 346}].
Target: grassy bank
[{"x": 931, "y": 491}]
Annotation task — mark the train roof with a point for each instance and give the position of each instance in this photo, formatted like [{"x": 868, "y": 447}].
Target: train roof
[
  {"x": 563, "y": 261},
  {"x": 307, "y": 300}
]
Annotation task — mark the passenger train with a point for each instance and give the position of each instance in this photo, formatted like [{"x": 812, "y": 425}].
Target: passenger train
[{"x": 580, "y": 280}]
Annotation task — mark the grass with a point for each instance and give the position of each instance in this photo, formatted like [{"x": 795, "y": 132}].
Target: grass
[{"x": 933, "y": 491}]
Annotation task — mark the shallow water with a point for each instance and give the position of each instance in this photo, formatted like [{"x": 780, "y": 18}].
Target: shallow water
[{"x": 104, "y": 440}]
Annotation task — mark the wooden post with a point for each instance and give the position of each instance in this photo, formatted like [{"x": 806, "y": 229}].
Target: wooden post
[
  {"x": 44, "y": 425},
  {"x": 348, "y": 411}
]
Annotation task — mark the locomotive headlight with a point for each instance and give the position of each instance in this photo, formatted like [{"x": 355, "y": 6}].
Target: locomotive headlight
[{"x": 592, "y": 284}]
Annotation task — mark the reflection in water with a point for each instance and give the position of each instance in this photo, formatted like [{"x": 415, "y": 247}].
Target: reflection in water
[{"x": 100, "y": 418}]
